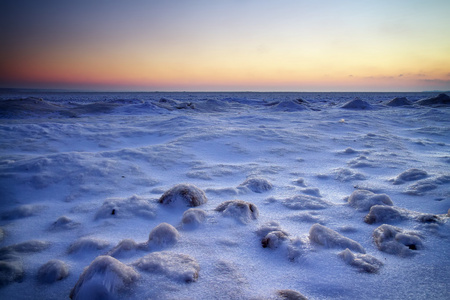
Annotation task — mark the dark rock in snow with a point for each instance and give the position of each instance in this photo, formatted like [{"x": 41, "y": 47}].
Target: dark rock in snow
[
  {"x": 257, "y": 185},
  {"x": 364, "y": 262},
  {"x": 239, "y": 210},
  {"x": 163, "y": 235},
  {"x": 183, "y": 195},
  {"x": 440, "y": 100},
  {"x": 178, "y": 267},
  {"x": 53, "y": 271},
  {"x": 331, "y": 239},
  {"x": 399, "y": 101},
  {"x": 394, "y": 240},
  {"x": 410, "y": 175},
  {"x": 103, "y": 279},
  {"x": 363, "y": 200}
]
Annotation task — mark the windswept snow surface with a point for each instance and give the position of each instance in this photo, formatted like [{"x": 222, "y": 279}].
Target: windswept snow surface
[{"x": 82, "y": 176}]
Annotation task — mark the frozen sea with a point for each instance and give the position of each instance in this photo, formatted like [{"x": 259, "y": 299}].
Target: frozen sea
[{"x": 224, "y": 195}]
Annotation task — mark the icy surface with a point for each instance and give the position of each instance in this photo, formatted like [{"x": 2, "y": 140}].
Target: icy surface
[{"x": 131, "y": 195}]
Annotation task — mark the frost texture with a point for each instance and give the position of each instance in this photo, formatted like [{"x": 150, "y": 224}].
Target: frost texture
[
  {"x": 163, "y": 235},
  {"x": 126, "y": 208},
  {"x": 178, "y": 267},
  {"x": 239, "y": 210},
  {"x": 331, "y": 239},
  {"x": 183, "y": 195},
  {"x": 257, "y": 185},
  {"x": 363, "y": 200},
  {"x": 364, "y": 262},
  {"x": 53, "y": 271},
  {"x": 104, "y": 277},
  {"x": 394, "y": 240},
  {"x": 193, "y": 217},
  {"x": 410, "y": 175}
]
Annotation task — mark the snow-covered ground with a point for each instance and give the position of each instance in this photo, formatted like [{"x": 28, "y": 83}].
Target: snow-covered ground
[{"x": 132, "y": 196}]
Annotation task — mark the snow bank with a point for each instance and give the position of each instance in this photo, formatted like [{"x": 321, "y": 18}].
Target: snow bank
[
  {"x": 394, "y": 240},
  {"x": 257, "y": 185},
  {"x": 410, "y": 175},
  {"x": 52, "y": 271},
  {"x": 163, "y": 235},
  {"x": 240, "y": 210},
  {"x": 399, "y": 101},
  {"x": 363, "y": 200},
  {"x": 440, "y": 100},
  {"x": 183, "y": 195},
  {"x": 364, "y": 262},
  {"x": 178, "y": 267},
  {"x": 127, "y": 208},
  {"x": 103, "y": 279},
  {"x": 357, "y": 104},
  {"x": 331, "y": 239}
]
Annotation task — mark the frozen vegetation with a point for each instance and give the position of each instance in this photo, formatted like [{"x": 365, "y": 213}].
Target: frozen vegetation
[{"x": 224, "y": 195}]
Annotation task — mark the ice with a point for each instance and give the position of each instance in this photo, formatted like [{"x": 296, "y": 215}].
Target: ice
[
  {"x": 82, "y": 176},
  {"x": 363, "y": 200}
]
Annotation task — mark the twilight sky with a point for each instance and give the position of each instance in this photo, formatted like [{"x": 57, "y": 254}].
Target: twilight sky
[{"x": 219, "y": 45}]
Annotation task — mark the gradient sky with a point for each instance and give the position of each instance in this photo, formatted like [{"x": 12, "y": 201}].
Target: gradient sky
[{"x": 218, "y": 45}]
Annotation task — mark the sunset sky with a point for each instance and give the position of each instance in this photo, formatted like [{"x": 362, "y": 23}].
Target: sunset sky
[{"x": 218, "y": 45}]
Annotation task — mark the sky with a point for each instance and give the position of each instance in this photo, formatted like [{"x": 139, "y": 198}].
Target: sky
[{"x": 233, "y": 45}]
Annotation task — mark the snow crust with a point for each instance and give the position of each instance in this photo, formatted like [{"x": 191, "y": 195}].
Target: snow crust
[{"x": 224, "y": 195}]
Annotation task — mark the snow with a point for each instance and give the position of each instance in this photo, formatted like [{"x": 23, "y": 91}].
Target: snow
[{"x": 224, "y": 196}]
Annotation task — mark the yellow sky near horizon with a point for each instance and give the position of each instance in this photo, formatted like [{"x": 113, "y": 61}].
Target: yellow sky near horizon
[{"x": 226, "y": 45}]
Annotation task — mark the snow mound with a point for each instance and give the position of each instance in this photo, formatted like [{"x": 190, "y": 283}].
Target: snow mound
[
  {"x": 257, "y": 185},
  {"x": 394, "y": 240},
  {"x": 390, "y": 214},
  {"x": 126, "y": 208},
  {"x": 103, "y": 279},
  {"x": 440, "y": 100},
  {"x": 289, "y": 105},
  {"x": 10, "y": 270},
  {"x": 421, "y": 187},
  {"x": 364, "y": 262},
  {"x": 22, "y": 211},
  {"x": 363, "y": 200},
  {"x": 87, "y": 245},
  {"x": 124, "y": 246},
  {"x": 53, "y": 271},
  {"x": 345, "y": 175},
  {"x": 302, "y": 202},
  {"x": 192, "y": 218},
  {"x": 32, "y": 246},
  {"x": 171, "y": 104},
  {"x": 183, "y": 195},
  {"x": 399, "y": 101},
  {"x": 64, "y": 223},
  {"x": 274, "y": 239},
  {"x": 268, "y": 227},
  {"x": 331, "y": 239},
  {"x": 240, "y": 210},
  {"x": 361, "y": 162},
  {"x": 178, "y": 267},
  {"x": 290, "y": 295},
  {"x": 357, "y": 104},
  {"x": 308, "y": 217},
  {"x": 163, "y": 235},
  {"x": 410, "y": 175}
]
